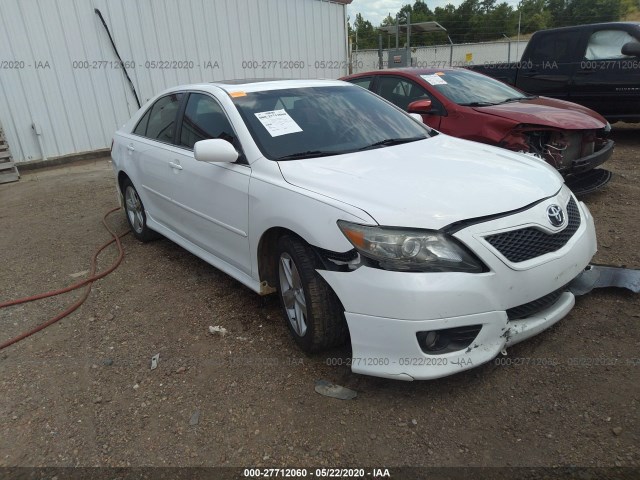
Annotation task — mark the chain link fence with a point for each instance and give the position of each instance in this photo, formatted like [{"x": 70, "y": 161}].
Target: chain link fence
[{"x": 439, "y": 56}]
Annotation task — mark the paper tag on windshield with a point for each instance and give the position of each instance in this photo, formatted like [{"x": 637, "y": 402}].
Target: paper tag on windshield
[
  {"x": 434, "y": 79},
  {"x": 278, "y": 122}
]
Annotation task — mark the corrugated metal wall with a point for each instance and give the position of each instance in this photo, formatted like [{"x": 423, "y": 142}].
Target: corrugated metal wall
[{"x": 58, "y": 69}]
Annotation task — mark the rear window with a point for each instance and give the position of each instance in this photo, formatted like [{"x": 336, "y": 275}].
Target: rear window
[
  {"x": 159, "y": 123},
  {"x": 559, "y": 47}
]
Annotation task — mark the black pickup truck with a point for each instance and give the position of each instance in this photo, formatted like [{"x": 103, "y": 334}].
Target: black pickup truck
[{"x": 596, "y": 65}]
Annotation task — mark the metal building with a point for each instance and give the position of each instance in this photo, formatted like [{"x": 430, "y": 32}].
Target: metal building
[{"x": 63, "y": 89}]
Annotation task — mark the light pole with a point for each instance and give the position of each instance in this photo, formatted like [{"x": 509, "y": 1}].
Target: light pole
[
  {"x": 519, "y": 23},
  {"x": 508, "y": 49}
]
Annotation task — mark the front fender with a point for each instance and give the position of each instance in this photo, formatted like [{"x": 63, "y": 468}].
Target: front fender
[{"x": 275, "y": 203}]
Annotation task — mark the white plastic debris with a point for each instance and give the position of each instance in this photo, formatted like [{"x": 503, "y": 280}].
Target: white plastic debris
[
  {"x": 218, "y": 330},
  {"x": 154, "y": 361},
  {"x": 328, "y": 389}
]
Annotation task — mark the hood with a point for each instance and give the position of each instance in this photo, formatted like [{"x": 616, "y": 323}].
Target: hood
[
  {"x": 428, "y": 184},
  {"x": 548, "y": 112}
]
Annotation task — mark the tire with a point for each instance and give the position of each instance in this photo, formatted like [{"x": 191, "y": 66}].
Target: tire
[
  {"x": 135, "y": 213},
  {"x": 305, "y": 296}
]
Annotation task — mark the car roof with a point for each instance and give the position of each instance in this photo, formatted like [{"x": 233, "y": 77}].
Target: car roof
[
  {"x": 412, "y": 71},
  {"x": 589, "y": 26},
  {"x": 257, "y": 85}
]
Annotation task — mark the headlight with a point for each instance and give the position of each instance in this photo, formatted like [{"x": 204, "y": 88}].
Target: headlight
[{"x": 411, "y": 250}]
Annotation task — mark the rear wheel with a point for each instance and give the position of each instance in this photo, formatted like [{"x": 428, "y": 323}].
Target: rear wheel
[
  {"x": 313, "y": 312},
  {"x": 136, "y": 216}
]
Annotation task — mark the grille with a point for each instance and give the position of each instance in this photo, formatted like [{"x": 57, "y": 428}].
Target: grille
[
  {"x": 527, "y": 243},
  {"x": 531, "y": 308}
]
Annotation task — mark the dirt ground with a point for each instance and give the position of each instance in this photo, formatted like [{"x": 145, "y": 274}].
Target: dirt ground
[{"x": 81, "y": 393}]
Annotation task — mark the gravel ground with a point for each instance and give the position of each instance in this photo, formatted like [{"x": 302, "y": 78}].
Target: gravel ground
[{"x": 81, "y": 392}]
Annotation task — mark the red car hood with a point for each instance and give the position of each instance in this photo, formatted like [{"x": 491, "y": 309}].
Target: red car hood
[{"x": 548, "y": 112}]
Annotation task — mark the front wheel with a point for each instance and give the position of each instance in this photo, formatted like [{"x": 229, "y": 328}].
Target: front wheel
[
  {"x": 313, "y": 312},
  {"x": 136, "y": 216}
]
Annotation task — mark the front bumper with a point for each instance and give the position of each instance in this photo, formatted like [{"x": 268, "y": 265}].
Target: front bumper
[
  {"x": 385, "y": 310},
  {"x": 589, "y": 162},
  {"x": 388, "y": 347}
]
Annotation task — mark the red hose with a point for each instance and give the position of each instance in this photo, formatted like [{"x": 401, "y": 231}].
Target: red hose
[{"x": 86, "y": 282}]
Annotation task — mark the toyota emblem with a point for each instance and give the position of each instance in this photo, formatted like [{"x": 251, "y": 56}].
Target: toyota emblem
[{"x": 555, "y": 215}]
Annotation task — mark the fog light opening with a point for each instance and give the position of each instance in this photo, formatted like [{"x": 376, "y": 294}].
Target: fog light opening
[
  {"x": 438, "y": 342},
  {"x": 430, "y": 340}
]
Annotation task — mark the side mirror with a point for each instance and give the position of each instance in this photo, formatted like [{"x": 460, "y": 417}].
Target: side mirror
[
  {"x": 417, "y": 117},
  {"x": 215, "y": 150},
  {"x": 632, "y": 49},
  {"x": 419, "y": 106}
]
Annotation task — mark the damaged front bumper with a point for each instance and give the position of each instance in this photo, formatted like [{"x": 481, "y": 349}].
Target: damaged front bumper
[
  {"x": 589, "y": 162},
  {"x": 392, "y": 316}
]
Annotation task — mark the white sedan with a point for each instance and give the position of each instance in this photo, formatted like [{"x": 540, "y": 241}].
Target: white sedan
[{"x": 429, "y": 253}]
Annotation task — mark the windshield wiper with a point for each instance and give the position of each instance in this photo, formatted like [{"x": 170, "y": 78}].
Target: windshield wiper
[
  {"x": 308, "y": 154},
  {"x": 391, "y": 141},
  {"x": 517, "y": 99},
  {"x": 477, "y": 104}
]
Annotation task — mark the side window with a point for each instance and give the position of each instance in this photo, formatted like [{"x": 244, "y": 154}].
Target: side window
[
  {"x": 556, "y": 47},
  {"x": 401, "y": 92},
  {"x": 203, "y": 119},
  {"x": 606, "y": 44},
  {"x": 364, "y": 82},
  {"x": 141, "y": 128},
  {"x": 162, "y": 118}
]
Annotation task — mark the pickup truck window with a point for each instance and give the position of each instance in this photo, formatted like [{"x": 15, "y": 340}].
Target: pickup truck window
[
  {"x": 607, "y": 44},
  {"x": 559, "y": 47}
]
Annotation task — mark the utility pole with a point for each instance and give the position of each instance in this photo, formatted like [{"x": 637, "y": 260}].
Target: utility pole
[{"x": 519, "y": 23}]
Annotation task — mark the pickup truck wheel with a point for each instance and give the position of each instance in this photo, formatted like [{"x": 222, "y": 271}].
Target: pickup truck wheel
[
  {"x": 136, "y": 216},
  {"x": 313, "y": 313}
]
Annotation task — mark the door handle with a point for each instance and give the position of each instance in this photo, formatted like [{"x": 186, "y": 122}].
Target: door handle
[
  {"x": 176, "y": 166},
  {"x": 131, "y": 148}
]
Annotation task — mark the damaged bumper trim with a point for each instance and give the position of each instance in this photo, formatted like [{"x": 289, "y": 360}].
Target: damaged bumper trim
[
  {"x": 604, "y": 276},
  {"x": 589, "y": 162}
]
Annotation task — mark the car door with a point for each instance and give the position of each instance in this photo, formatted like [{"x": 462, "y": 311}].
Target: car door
[
  {"x": 212, "y": 197},
  {"x": 551, "y": 62},
  {"x": 608, "y": 81},
  {"x": 147, "y": 148},
  {"x": 402, "y": 91}
]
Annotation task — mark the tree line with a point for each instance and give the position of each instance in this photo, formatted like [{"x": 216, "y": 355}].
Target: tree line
[{"x": 486, "y": 20}]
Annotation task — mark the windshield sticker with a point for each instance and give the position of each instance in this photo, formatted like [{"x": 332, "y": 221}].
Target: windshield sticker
[
  {"x": 278, "y": 122},
  {"x": 434, "y": 79}
]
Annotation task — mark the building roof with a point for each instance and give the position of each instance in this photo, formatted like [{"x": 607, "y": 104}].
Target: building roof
[{"x": 415, "y": 28}]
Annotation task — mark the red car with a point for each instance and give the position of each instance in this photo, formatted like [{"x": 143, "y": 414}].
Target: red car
[{"x": 472, "y": 106}]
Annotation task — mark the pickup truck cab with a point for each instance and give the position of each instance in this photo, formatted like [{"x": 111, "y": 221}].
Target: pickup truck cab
[{"x": 595, "y": 65}]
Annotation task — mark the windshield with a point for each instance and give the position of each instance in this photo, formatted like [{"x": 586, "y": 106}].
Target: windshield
[
  {"x": 469, "y": 88},
  {"x": 297, "y": 123}
]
